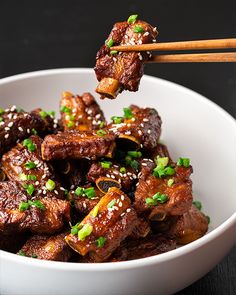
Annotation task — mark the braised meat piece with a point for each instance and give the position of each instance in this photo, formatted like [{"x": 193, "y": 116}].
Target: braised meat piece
[
  {"x": 189, "y": 227},
  {"x": 12, "y": 242},
  {"x": 15, "y": 126},
  {"x": 141, "y": 248},
  {"x": 160, "y": 150},
  {"x": 142, "y": 125},
  {"x": 85, "y": 198},
  {"x": 142, "y": 229},
  {"x": 80, "y": 112},
  {"x": 105, "y": 227},
  {"x": 50, "y": 123},
  {"x": 47, "y": 248},
  {"x": 77, "y": 145},
  {"x": 118, "y": 71},
  {"x": 163, "y": 190},
  {"x": 115, "y": 171},
  {"x": 24, "y": 165},
  {"x": 19, "y": 212}
]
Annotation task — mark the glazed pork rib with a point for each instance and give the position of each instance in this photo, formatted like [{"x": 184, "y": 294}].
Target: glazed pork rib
[
  {"x": 80, "y": 112},
  {"x": 19, "y": 212},
  {"x": 17, "y": 125},
  {"x": 140, "y": 125},
  {"x": 105, "y": 227},
  {"x": 24, "y": 165},
  {"x": 163, "y": 189},
  {"x": 118, "y": 71},
  {"x": 78, "y": 144},
  {"x": 47, "y": 247}
]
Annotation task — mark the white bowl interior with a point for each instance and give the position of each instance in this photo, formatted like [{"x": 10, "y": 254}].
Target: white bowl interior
[{"x": 192, "y": 126}]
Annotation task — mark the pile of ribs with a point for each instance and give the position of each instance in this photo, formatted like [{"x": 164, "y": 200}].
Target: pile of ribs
[{"x": 83, "y": 189}]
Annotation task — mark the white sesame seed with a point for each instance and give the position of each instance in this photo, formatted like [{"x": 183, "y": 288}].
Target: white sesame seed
[
  {"x": 108, "y": 176},
  {"x": 98, "y": 116},
  {"x": 128, "y": 210},
  {"x": 15, "y": 117},
  {"x": 146, "y": 34},
  {"x": 114, "y": 59},
  {"x": 13, "y": 108},
  {"x": 44, "y": 176},
  {"x": 149, "y": 131},
  {"x": 1, "y": 123},
  {"x": 44, "y": 192},
  {"x": 129, "y": 173},
  {"x": 6, "y": 135},
  {"x": 128, "y": 125},
  {"x": 110, "y": 209},
  {"x": 84, "y": 205},
  {"x": 72, "y": 186},
  {"x": 36, "y": 162},
  {"x": 94, "y": 122},
  {"x": 55, "y": 121},
  {"x": 74, "y": 110},
  {"x": 56, "y": 192},
  {"x": 89, "y": 118},
  {"x": 90, "y": 112},
  {"x": 115, "y": 208},
  {"x": 37, "y": 182},
  {"x": 62, "y": 188},
  {"x": 122, "y": 214},
  {"x": 134, "y": 176},
  {"x": 145, "y": 120},
  {"x": 154, "y": 29},
  {"x": 7, "y": 110},
  {"x": 128, "y": 132},
  {"x": 140, "y": 132},
  {"x": 39, "y": 191},
  {"x": 122, "y": 197},
  {"x": 25, "y": 115},
  {"x": 113, "y": 176},
  {"x": 28, "y": 130},
  {"x": 144, "y": 164},
  {"x": 115, "y": 172},
  {"x": 54, "y": 125},
  {"x": 20, "y": 129},
  {"x": 133, "y": 119},
  {"x": 154, "y": 40},
  {"x": 10, "y": 124},
  {"x": 120, "y": 204},
  {"x": 119, "y": 180},
  {"x": 140, "y": 41},
  {"x": 67, "y": 117},
  {"x": 7, "y": 128}
]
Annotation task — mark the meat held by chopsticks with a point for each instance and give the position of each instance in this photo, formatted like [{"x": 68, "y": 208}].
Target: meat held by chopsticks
[{"x": 118, "y": 71}]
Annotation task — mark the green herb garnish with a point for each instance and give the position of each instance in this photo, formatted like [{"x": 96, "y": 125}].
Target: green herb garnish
[
  {"x": 23, "y": 206},
  {"x": 113, "y": 52},
  {"x": 134, "y": 164},
  {"x": 134, "y": 154},
  {"x": 79, "y": 191},
  {"x": 23, "y": 177},
  {"x": 37, "y": 204},
  {"x": 138, "y": 29},
  {"x": 100, "y": 242},
  {"x": 117, "y": 120},
  {"x": 31, "y": 177},
  {"x": 50, "y": 185},
  {"x": 65, "y": 109},
  {"x": 170, "y": 182},
  {"x": 90, "y": 192},
  {"x": 128, "y": 113},
  {"x": 101, "y": 132},
  {"x": 185, "y": 162},
  {"x": 122, "y": 170},
  {"x": 106, "y": 164},
  {"x": 21, "y": 253},
  {"x": 110, "y": 43},
  {"x": 85, "y": 231},
  {"x": 34, "y": 256},
  {"x": 198, "y": 205},
  {"x": 111, "y": 204},
  {"x": 34, "y": 131},
  {"x": 95, "y": 211},
  {"x": 29, "y": 144},
  {"x": 43, "y": 114},
  {"x": 102, "y": 124},
  {"x": 132, "y": 19},
  {"x": 29, "y": 188},
  {"x": 157, "y": 198},
  {"x": 70, "y": 124},
  {"x": 30, "y": 165},
  {"x": 52, "y": 114}
]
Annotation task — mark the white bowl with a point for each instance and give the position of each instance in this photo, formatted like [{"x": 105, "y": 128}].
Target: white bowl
[{"x": 193, "y": 127}]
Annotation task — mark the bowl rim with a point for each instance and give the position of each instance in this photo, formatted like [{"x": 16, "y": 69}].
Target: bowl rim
[{"x": 137, "y": 263}]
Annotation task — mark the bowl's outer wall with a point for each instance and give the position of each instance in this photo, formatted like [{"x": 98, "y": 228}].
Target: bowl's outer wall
[{"x": 192, "y": 127}]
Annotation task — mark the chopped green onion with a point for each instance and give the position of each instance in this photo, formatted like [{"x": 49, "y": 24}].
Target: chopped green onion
[
  {"x": 70, "y": 124},
  {"x": 30, "y": 165},
  {"x": 113, "y": 52},
  {"x": 52, "y": 114},
  {"x": 1, "y": 119},
  {"x": 43, "y": 114},
  {"x": 37, "y": 204},
  {"x": 31, "y": 177},
  {"x": 117, "y": 120},
  {"x": 185, "y": 162},
  {"x": 100, "y": 242},
  {"x": 138, "y": 29},
  {"x": 29, "y": 144},
  {"x": 111, "y": 204},
  {"x": 95, "y": 211},
  {"x": 132, "y": 19},
  {"x": 21, "y": 253},
  {"x": 85, "y": 231},
  {"x": 65, "y": 109},
  {"x": 29, "y": 188},
  {"x": 72, "y": 118},
  {"x": 102, "y": 124},
  {"x": 34, "y": 131},
  {"x": 75, "y": 229},
  {"x": 150, "y": 202},
  {"x": 101, "y": 132},
  {"x": 106, "y": 164},
  {"x": 170, "y": 182},
  {"x": 23, "y": 206},
  {"x": 198, "y": 205},
  {"x": 128, "y": 113},
  {"x": 23, "y": 176},
  {"x": 208, "y": 219},
  {"x": 134, "y": 164},
  {"x": 135, "y": 154},
  {"x": 110, "y": 43},
  {"x": 169, "y": 171},
  {"x": 122, "y": 170},
  {"x": 90, "y": 192},
  {"x": 158, "y": 172},
  {"x": 79, "y": 191},
  {"x": 162, "y": 161},
  {"x": 34, "y": 256},
  {"x": 50, "y": 185},
  {"x": 161, "y": 198},
  {"x": 128, "y": 160},
  {"x": 2, "y": 111}
]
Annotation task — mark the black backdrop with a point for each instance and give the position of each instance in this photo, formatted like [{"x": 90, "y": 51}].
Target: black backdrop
[{"x": 36, "y": 35}]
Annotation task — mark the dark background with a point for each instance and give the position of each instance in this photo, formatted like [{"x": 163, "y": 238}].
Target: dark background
[{"x": 36, "y": 35}]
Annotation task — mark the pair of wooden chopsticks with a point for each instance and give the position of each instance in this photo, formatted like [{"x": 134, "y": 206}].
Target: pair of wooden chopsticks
[{"x": 186, "y": 45}]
